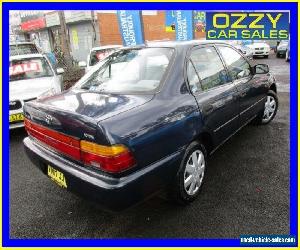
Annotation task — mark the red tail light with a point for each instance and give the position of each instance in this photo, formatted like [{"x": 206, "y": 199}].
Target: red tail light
[
  {"x": 58, "y": 141},
  {"x": 114, "y": 164},
  {"x": 113, "y": 159}
]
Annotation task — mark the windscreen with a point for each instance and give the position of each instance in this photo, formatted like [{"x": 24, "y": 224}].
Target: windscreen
[
  {"x": 283, "y": 43},
  {"x": 29, "y": 68}
]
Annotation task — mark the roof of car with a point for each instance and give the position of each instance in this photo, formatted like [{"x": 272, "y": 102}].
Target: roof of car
[
  {"x": 25, "y": 56},
  {"x": 177, "y": 44},
  {"x": 20, "y": 43},
  {"x": 106, "y": 47}
]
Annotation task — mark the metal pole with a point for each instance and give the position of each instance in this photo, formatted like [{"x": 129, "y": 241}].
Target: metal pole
[
  {"x": 142, "y": 26},
  {"x": 65, "y": 43}
]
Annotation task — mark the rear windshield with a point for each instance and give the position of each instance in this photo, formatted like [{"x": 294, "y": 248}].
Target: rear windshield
[
  {"x": 129, "y": 70},
  {"x": 98, "y": 55},
  {"x": 22, "y": 49},
  {"x": 29, "y": 68}
]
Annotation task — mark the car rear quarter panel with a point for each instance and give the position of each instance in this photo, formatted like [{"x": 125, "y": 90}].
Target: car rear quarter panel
[{"x": 157, "y": 129}]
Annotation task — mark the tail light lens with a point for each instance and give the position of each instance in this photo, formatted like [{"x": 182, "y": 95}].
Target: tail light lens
[
  {"x": 58, "y": 141},
  {"x": 113, "y": 159}
]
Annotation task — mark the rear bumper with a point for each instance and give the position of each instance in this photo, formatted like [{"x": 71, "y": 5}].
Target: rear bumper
[
  {"x": 112, "y": 193},
  {"x": 19, "y": 124},
  {"x": 281, "y": 52},
  {"x": 16, "y": 125}
]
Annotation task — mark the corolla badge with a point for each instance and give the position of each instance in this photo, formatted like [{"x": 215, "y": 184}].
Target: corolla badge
[{"x": 48, "y": 119}]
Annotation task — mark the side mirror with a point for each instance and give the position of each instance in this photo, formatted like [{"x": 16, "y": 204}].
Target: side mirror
[
  {"x": 82, "y": 64},
  {"x": 261, "y": 69},
  {"x": 60, "y": 71}
]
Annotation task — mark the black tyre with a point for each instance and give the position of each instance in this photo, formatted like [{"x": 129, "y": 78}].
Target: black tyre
[
  {"x": 270, "y": 109},
  {"x": 277, "y": 55},
  {"x": 189, "y": 179},
  {"x": 267, "y": 56}
]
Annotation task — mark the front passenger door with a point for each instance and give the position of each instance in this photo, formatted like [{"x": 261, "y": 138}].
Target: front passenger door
[{"x": 251, "y": 92}]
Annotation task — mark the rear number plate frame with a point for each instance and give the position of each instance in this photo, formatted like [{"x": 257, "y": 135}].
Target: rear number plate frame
[{"x": 57, "y": 176}]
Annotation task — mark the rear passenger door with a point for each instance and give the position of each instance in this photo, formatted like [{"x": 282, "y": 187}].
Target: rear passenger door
[
  {"x": 251, "y": 91},
  {"x": 216, "y": 95}
]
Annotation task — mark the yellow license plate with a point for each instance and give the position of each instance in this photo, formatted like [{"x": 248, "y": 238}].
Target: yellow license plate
[
  {"x": 16, "y": 117},
  {"x": 57, "y": 176}
]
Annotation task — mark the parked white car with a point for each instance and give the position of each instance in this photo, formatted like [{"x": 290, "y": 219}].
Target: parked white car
[
  {"x": 31, "y": 76},
  {"x": 97, "y": 54},
  {"x": 259, "y": 49}
]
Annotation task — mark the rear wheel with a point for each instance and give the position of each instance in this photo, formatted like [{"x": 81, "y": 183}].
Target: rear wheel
[
  {"x": 189, "y": 180},
  {"x": 270, "y": 109}
]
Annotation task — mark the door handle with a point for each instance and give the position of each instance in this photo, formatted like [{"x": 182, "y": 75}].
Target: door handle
[
  {"x": 213, "y": 106},
  {"x": 243, "y": 94},
  {"x": 219, "y": 103},
  {"x": 208, "y": 108}
]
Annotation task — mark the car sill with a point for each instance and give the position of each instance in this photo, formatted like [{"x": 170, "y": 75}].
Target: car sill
[{"x": 247, "y": 122}]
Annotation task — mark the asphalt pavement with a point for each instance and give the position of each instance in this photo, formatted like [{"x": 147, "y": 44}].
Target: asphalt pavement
[{"x": 246, "y": 191}]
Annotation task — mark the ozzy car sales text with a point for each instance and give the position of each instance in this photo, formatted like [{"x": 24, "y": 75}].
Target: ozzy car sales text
[{"x": 247, "y": 25}]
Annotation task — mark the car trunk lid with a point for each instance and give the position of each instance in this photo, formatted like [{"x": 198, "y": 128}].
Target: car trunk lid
[{"x": 79, "y": 113}]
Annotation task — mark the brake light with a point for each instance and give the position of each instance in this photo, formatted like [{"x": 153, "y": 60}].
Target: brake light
[{"x": 113, "y": 159}]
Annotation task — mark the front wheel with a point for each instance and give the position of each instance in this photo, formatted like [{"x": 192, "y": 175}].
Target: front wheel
[
  {"x": 270, "y": 109},
  {"x": 190, "y": 177}
]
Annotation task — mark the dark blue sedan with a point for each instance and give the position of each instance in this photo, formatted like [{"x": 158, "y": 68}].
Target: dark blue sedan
[{"x": 146, "y": 118}]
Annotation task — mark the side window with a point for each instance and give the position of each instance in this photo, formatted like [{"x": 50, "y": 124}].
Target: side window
[
  {"x": 238, "y": 67},
  {"x": 193, "y": 79},
  {"x": 209, "y": 67}
]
